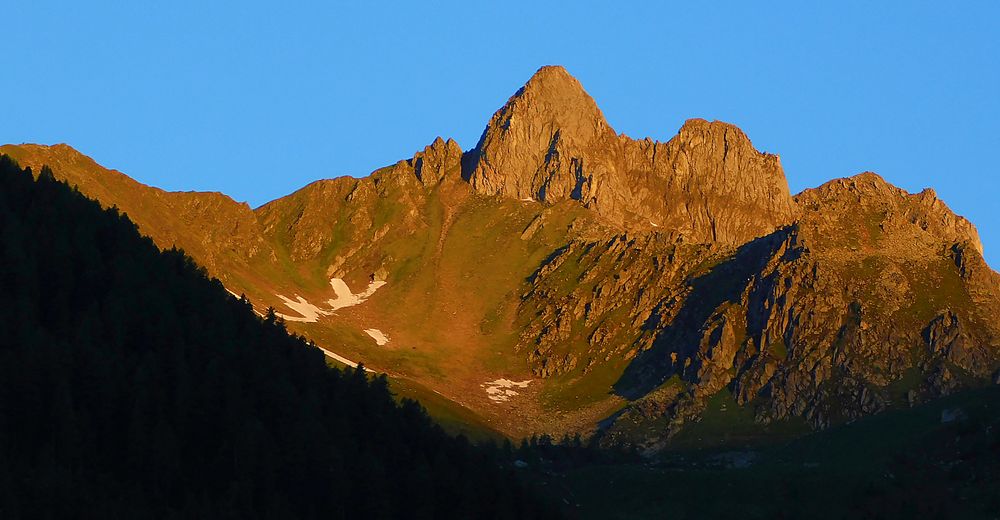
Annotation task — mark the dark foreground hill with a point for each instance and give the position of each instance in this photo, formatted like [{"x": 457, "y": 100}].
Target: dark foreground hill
[
  {"x": 938, "y": 460},
  {"x": 132, "y": 385}
]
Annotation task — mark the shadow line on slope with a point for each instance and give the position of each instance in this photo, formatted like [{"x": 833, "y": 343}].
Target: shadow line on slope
[{"x": 724, "y": 282}]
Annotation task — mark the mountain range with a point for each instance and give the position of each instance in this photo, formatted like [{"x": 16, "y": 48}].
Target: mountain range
[{"x": 562, "y": 278}]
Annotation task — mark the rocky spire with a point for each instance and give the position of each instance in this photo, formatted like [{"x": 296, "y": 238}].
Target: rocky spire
[
  {"x": 437, "y": 160},
  {"x": 523, "y": 151},
  {"x": 550, "y": 143}
]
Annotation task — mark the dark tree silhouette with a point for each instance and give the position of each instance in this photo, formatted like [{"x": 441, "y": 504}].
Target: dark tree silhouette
[{"x": 132, "y": 385}]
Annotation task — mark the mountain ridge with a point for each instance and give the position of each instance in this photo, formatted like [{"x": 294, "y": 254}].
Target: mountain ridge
[
  {"x": 550, "y": 142},
  {"x": 627, "y": 280}
]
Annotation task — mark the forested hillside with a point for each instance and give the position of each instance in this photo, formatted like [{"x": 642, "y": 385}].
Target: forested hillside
[{"x": 132, "y": 385}]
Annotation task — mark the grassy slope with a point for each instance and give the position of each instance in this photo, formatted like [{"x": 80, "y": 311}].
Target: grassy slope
[
  {"x": 455, "y": 277},
  {"x": 151, "y": 207},
  {"x": 453, "y": 417}
]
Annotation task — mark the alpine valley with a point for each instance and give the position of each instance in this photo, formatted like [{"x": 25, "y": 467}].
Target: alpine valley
[{"x": 560, "y": 278}]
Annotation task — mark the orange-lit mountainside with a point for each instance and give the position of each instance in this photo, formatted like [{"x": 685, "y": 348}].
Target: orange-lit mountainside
[{"x": 560, "y": 277}]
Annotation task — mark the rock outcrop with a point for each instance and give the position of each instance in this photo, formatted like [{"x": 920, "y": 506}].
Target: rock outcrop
[
  {"x": 863, "y": 304},
  {"x": 437, "y": 161},
  {"x": 551, "y": 143},
  {"x": 872, "y": 298}
]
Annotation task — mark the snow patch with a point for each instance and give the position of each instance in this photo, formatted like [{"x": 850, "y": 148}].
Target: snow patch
[
  {"x": 377, "y": 335},
  {"x": 345, "y": 298},
  {"x": 527, "y": 199},
  {"x": 654, "y": 224},
  {"x": 502, "y": 390},
  {"x": 342, "y": 359},
  {"x": 310, "y": 313}
]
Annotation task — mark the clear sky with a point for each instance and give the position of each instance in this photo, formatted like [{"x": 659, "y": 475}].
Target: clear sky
[{"x": 257, "y": 99}]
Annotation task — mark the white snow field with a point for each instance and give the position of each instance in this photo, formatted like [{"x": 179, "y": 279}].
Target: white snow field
[
  {"x": 377, "y": 335},
  {"x": 310, "y": 313},
  {"x": 502, "y": 390},
  {"x": 345, "y": 298}
]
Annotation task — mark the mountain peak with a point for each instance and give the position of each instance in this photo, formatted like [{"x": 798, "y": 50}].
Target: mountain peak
[
  {"x": 528, "y": 142},
  {"x": 552, "y": 71},
  {"x": 550, "y": 110},
  {"x": 867, "y": 197},
  {"x": 550, "y": 143},
  {"x": 556, "y": 81},
  {"x": 697, "y": 125}
]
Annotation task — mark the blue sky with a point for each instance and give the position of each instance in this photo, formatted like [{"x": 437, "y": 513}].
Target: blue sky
[{"x": 257, "y": 99}]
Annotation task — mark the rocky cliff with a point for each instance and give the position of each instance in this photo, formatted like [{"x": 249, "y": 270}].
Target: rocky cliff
[
  {"x": 861, "y": 305},
  {"x": 551, "y": 143}
]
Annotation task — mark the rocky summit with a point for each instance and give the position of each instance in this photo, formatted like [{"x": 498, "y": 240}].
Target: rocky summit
[
  {"x": 551, "y": 143},
  {"x": 560, "y": 277}
]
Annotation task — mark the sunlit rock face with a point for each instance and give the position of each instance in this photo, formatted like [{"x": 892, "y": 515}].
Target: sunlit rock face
[{"x": 550, "y": 143}]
